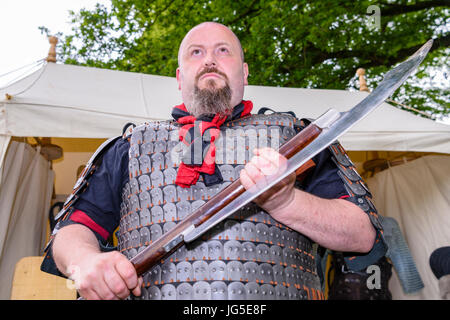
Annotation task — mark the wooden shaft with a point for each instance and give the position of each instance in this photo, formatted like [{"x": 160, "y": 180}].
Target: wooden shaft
[
  {"x": 362, "y": 81},
  {"x": 52, "y": 51}
]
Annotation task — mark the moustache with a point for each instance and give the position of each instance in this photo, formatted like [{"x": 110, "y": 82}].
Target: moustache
[{"x": 211, "y": 70}]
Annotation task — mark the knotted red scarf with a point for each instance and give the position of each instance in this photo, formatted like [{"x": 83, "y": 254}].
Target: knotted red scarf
[{"x": 199, "y": 135}]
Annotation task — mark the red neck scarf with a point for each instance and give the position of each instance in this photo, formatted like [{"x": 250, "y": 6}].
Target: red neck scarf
[{"x": 199, "y": 134}]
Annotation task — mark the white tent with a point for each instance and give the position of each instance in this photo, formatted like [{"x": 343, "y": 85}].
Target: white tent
[
  {"x": 96, "y": 103},
  {"x": 80, "y": 102}
]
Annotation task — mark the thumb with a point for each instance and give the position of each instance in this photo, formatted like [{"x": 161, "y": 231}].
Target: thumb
[{"x": 137, "y": 291}]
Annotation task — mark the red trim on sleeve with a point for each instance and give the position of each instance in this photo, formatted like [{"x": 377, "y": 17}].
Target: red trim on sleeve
[
  {"x": 344, "y": 196},
  {"x": 81, "y": 217}
]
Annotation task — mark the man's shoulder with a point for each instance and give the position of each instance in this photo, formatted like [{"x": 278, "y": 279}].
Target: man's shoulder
[
  {"x": 281, "y": 114},
  {"x": 274, "y": 118},
  {"x": 135, "y": 133}
]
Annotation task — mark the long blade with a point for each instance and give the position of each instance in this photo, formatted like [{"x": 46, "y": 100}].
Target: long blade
[{"x": 334, "y": 125}]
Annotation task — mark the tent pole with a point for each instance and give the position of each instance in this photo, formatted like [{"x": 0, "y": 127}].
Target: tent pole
[
  {"x": 362, "y": 80},
  {"x": 52, "y": 52}
]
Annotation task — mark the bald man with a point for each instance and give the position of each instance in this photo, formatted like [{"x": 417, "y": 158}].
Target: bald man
[{"x": 151, "y": 178}]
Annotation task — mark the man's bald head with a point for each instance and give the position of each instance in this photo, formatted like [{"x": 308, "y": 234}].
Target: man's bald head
[{"x": 211, "y": 71}]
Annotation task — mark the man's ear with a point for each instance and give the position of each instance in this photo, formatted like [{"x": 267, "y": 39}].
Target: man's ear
[
  {"x": 179, "y": 78},
  {"x": 245, "y": 66}
]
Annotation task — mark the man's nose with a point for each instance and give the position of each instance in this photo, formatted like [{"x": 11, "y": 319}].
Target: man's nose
[{"x": 210, "y": 60}]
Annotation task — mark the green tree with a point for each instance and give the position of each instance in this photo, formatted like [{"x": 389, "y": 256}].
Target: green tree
[{"x": 303, "y": 43}]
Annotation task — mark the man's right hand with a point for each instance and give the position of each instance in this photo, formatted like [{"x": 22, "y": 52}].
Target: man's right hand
[
  {"x": 97, "y": 275},
  {"x": 105, "y": 276}
]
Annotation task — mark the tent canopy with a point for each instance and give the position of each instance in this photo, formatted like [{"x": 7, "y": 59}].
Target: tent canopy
[
  {"x": 72, "y": 101},
  {"x": 64, "y": 101}
]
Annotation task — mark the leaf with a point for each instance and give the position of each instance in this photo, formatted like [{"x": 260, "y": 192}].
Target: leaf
[{"x": 309, "y": 44}]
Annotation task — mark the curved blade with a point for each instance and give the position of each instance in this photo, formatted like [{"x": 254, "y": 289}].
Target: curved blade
[
  {"x": 391, "y": 81},
  {"x": 334, "y": 125}
]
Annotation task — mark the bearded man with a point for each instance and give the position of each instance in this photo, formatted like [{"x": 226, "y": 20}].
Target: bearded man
[{"x": 152, "y": 177}]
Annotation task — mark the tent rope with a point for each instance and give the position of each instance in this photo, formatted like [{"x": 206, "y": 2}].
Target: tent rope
[
  {"x": 10, "y": 96},
  {"x": 410, "y": 108},
  {"x": 22, "y": 67},
  {"x": 363, "y": 87}
]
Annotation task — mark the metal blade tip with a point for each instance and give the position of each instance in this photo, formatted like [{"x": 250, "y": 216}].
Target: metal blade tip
[{"x": 424, "y": 49}]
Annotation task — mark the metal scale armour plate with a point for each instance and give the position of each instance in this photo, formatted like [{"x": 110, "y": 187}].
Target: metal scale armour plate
[{"x": 248, "y": 256}]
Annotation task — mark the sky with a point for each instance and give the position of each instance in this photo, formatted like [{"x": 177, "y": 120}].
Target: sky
[{"x": 21, "y": 42}]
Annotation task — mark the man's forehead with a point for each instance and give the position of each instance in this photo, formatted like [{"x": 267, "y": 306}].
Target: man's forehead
[
  {"x": 210, "y": 33},
  {"x": 205, "y": 32}
]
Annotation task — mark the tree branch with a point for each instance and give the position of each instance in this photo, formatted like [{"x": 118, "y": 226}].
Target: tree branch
[
  {"x": 161, "y": 11},
  {"x": 376, "y": 59},
  {"x": 442, "y": 42},
  {"x": 249, "y": 10},
  {"x": 389, "y": 9}
]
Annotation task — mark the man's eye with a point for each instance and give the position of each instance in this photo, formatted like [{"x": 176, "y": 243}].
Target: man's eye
[
  {"x": 195, "y": 52},
  {"x": 223, "y": 50}
]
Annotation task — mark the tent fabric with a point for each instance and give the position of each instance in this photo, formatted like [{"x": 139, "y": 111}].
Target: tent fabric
[
  {"x": 72, "y": 101},
  {"x": 4, "y": 142},
  {"x": 25, "y": 197},
  {"x": 417, "y": 195},
  {"x": 80, "y": 102}
]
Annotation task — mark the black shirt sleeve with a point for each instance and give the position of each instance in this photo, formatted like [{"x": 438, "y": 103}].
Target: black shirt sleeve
[
  {"x": 101, "y": 199},
  {"x": 99, "y": 202},
  {"x": 323, "y": 180}
]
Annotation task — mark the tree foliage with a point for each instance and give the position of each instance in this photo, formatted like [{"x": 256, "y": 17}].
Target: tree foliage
[{"x": 303, "y": 43}]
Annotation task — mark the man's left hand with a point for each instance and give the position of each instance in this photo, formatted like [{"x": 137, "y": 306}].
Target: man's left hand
[{"x": 266, "y": 162}]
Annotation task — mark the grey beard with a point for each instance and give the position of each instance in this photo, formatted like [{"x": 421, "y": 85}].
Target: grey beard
[{"x": 211, "y": 100}]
